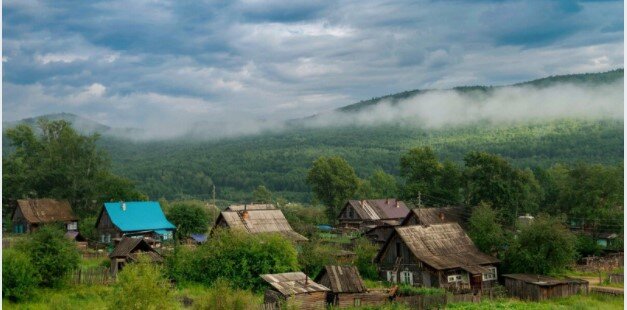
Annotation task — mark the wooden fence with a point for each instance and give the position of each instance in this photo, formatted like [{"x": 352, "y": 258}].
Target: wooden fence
[
  {"x": 423, "y": 301},
  {"x": 91, "y": 275},
  {"x": 616, "y": 278}
]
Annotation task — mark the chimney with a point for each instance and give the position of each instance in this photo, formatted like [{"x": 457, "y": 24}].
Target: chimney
[
  {"x": 123, "y": 205},
  {"x": 245, "y": 215},
  {"x": 387, "y": 201},
  {"x": 441, "y": 216},
  {"x": 397, "y": 205},
  {"x": 306, "y": 280}
]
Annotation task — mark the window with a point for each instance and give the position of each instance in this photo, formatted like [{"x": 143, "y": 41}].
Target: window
[
  {"x": 491, "y": 275},
  {"x": 407, "y": 277},
  {"x": 454, "y": 278},
  {"x": 350, "y": 213},
  {"x": 108, "y": 238},
  {"x": 357, "y": 302},
  {"x": 72, "y": 226},
  {"x": 102, "y": 238},
  {"x": 391, "y": 276}
]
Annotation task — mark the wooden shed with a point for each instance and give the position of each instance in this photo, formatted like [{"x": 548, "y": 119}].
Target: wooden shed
[
  {"x": 348, "y": 289},
  {"x": 258, "y": 221},
  {"x": 129, "y": 250},
  {"x": 536, "y": 287},
  {"x": 295, "y": 288},
  {"x": 30, "y": 214}
]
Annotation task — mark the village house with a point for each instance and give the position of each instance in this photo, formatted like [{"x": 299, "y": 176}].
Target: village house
[
  {"x": 379, "y": 234},
  {"x": 250, "y": 207},
  {"x": 30, "y": 214},
  {"x": 133, "y": 218},
  {"x": 431, "y": 216},
  {"x": 348, "y": 289},
  {"x": 257, "y": 221},
  {"x": 366, "y": 214},
  {"x": 129, "y": 250},
  {"x": 537, "y": 288},
  {"x": 440, "y": 255},
  {"x": 294, "y": 288}
]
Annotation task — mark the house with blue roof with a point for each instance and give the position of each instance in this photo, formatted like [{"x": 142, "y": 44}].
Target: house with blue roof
[{"x": 133, "y": 218}]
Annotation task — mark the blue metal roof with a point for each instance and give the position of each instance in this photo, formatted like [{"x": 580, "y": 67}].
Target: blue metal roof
[
  {"x": 199, "y": 237},
  {"x": 138, "y": 215}
]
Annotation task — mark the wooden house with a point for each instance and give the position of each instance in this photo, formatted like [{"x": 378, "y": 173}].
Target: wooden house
[
  {"x": 79, "y": 240},
  {"x": 536, "y": 287},
  {"x": 294, "y": 288},
  {"x": 348, "y": 289},
  {"x": 133, "y": 218},
  {"x": 258, "y": 221},
  {"x": 129, "y": 250},
  {"x": 379, "y": 234},
  {"x": 365, "y": 214},
  {"x": 30, "y": 214},
  {"x": 439, "y": 255},
  {"x": 431, "y": 216},
  {"x": 250, "y": 207}
]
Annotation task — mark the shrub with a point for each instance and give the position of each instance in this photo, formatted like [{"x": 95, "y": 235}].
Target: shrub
[
  {"x": 366, "y": 252},
  {"x": 315, "y": 255},
  {"x": 55, "y": 255},
  {"x": 221, "y": 296},
  {"x": 19, "y": 279},
  {"x": 189, "y": 217},
  {"x": 234, "y": 255},
  {"x": 142, "y": 285}
]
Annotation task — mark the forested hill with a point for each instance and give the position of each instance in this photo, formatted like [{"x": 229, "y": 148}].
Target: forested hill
[
  {"x": 592, "y": 79},
  {"x": 188, "y": 168}
]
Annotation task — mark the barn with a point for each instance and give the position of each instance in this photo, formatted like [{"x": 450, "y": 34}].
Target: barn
[
  {"x": 129, "y": 250},
  {"x": 30, "y": 214},
  {"x": 536, "y": 287},
  {"x": 348, "y": 289},
  {"x": 294, "y": 288},
  {"x": 257, "y": 221},
  {"x": 365, "y": 214},
  {"x": 439, "y": 255},
  {"x": 133, "y": 218}
]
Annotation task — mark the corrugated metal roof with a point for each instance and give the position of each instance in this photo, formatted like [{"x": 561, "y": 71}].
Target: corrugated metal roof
[
  {"x": 138, "y": 216},
  {"x": 542, "y": 280},
  {"x": 261, "y": 221},
  {"x": 380, "y": 209},
  {"x": 293, "y": 283},
  {"x": 430, "y": 216},
  {"x": 46, "y": 210}
]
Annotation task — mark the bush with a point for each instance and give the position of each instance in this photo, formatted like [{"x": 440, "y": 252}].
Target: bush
[
  {"x": 234, "y": 255},
  {"x": 190, "y": 217},
  {"x": 409, "y": 290},
  {"x": 19, "y": 279},
  {"x": 142, "y": 285},
  {"x": 221, "y": 296},
  {"x": 365, "y": 252},
  {"x": 315, "y": 255},
  {"x": 55, "y": 255}
]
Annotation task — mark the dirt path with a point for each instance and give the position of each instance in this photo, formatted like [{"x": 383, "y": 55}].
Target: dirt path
[{"x": 596, "y": 287}]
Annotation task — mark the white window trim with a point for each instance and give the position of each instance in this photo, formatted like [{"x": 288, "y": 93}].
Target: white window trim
[
  {"x": 454, "y": 278},
  {"x": 492, "y": 275},
  {"x": 407, "y": 277},
  {"x": 391, "y": 276}
]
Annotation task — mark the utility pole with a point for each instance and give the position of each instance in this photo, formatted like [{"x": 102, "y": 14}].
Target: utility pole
[
  {"x": 214, "y": 195},
  {"x": 419, "y": 200}
]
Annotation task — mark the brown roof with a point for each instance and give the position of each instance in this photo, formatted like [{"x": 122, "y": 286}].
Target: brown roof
[
  {"x": 379, "y": 209},
  {"x": 344, "y": 279},
  {"x": 250, "y": 207},
  {"x": 430, "y": 216},
  {"x": 46, "y": 210},
  {"x": 442, "y": 246},
  {"x": 542, "y": 280},
  {"x": 133, "y": 248},
  {"x": 292, "y": 283},
  {"x": 261, "y": 221}
]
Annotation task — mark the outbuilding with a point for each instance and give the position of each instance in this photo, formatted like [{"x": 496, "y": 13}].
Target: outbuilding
[
  {"x": 295, "y": 289},
  {"x": 129, "y": 250},
  {"x": 348, "y": 289},
  {"x": 537, "y": 287}
]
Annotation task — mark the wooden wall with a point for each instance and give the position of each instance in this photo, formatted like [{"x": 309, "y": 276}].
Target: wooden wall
[{"x": 534, "y": 292}]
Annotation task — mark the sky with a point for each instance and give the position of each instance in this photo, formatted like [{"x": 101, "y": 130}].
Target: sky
[{"x": 169, "y": 64}]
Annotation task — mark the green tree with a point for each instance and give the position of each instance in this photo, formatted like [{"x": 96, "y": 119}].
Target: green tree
[
  {"x": 545, "y": 246},
  {"x": 491, "y": 179},
  {"x": 58, "y": 162},
  {"x": 142, "y": 285},
  {"x": 378, "y": 185},
  {"x": 425, "y": 176},
  {"x": 19, "y": 278},
  {"x": 485, "y": 230},
  {"x": 315, "y": 255},
  {"x": 235, "y": 255},
  {"x": 333, "y": 181},
  {"x": 189, "y": 218},
  {"x": 262, "y": 195},
  {"x": 87, "y": 227},
  {"x": 54, "y": 254}
]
